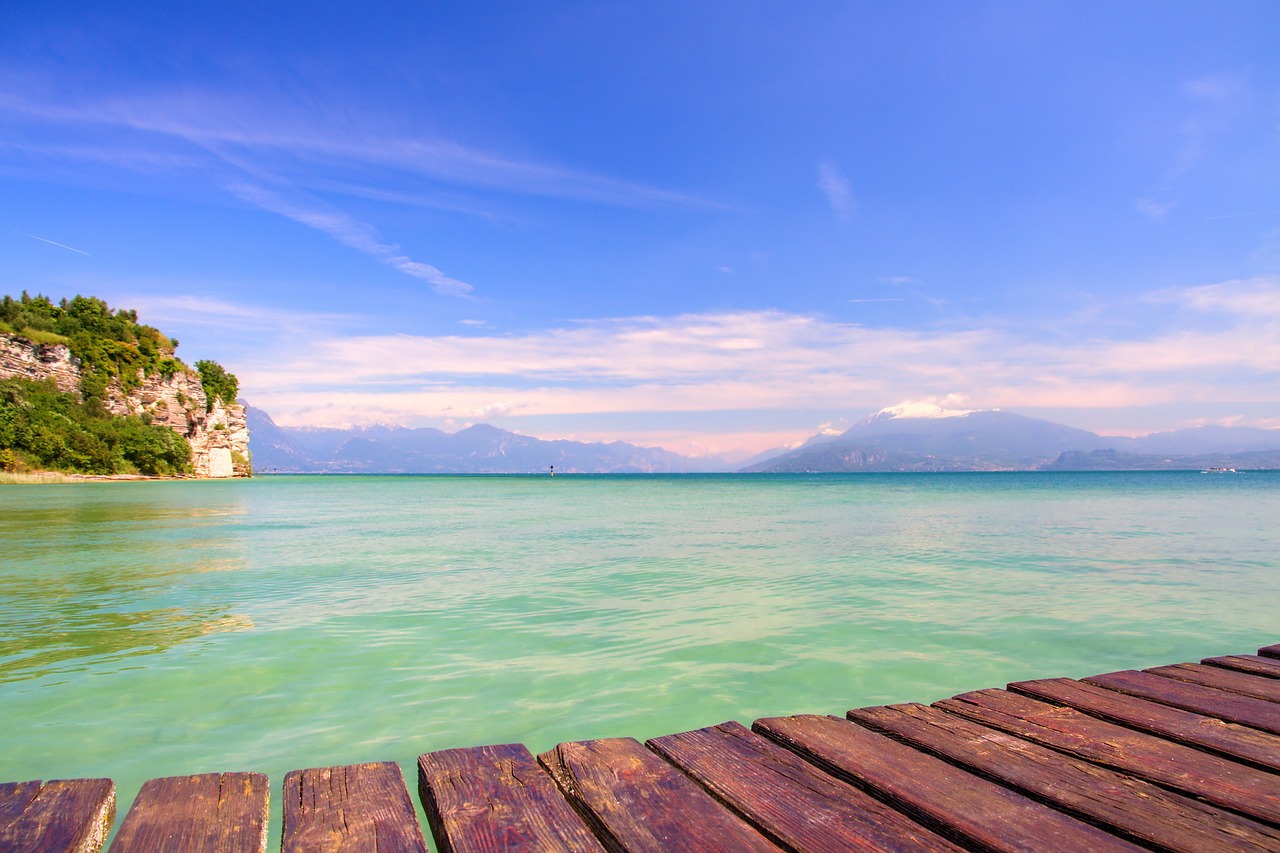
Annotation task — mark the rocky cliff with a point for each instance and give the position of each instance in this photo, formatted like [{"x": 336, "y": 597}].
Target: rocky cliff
[{"x": 218, "y": 434}]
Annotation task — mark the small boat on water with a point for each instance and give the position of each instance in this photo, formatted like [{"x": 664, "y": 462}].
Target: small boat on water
[{"x": 1219, "y": 471}]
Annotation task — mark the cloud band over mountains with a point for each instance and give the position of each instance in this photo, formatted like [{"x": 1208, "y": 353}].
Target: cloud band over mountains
[{"x": 1215, "y": 344}]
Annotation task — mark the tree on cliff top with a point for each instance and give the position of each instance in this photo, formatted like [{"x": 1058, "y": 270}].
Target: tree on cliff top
[{"x": 217, "y": 383}]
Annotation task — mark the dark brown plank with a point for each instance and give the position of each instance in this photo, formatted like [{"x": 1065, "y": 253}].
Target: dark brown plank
[
  {"x": 635, "y": 801},
  {"x": 1133, "y": 808},
  {"x": 1225, "y": 783},
  {"x": 790, "y": 800},
  {"x": 1252, "y": 664},
  {"x": 14, "y": 799},
  {"x": 493, "y": 798},
  {"x": 1239, "y": 742},
  {"x": 356, "y": 807},
  {"x": 60, "y": 815},
  {"x": 932, "y": 791},
  {"x": 1270, "y": 651},
  {"x": 1257, "y": 686},
  {"x": 1209, "y": 701},
  {"x": 208, "y": 812}
]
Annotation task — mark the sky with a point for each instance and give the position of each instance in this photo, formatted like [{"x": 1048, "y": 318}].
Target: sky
[{"x": 715, "y": 227}]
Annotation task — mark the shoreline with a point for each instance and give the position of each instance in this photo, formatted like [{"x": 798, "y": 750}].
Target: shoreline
[{"x": 38, "y": 478}]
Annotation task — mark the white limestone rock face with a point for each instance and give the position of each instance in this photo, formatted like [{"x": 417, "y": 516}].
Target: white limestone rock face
[
  {"x": 218, "y": 434},
  {"x": 30, "y": 360},
  {"x": 217, "y": 438}
]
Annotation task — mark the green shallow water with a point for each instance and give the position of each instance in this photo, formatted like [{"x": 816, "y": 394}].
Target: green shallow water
[{"x": 163, "y": 628}]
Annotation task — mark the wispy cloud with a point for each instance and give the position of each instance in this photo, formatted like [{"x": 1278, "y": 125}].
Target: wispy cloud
[
  {"x": 267, "y": 154},
  {"x": 837, "y": 189},
  {"x": 314, "y": 213},
  {"x": 277, "y": 137},
  {"x": 218, "y": 316},
  {"x": 1154, "y": 209},
  {"x": 1257, "y": 300},
  {"x": 1212, "y": 103}
]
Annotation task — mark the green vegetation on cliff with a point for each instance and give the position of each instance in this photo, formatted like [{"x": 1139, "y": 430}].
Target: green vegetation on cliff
[
  {"x": 217, "y": 383},
  {"x": 110, "y": 344},
  {"x": 44, "y": 429}
]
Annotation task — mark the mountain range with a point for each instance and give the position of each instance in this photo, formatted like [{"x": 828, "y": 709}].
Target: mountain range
[
  {"x": 478, "y": 449},
  {"x": 909, "y": 437},
  {"x": 922, "y": 437}
]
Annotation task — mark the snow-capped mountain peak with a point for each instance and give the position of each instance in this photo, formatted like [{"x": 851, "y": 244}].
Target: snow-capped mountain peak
[{"x": 912, "y": 410}]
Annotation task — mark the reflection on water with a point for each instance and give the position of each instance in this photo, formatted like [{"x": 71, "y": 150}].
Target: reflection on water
[
  {"x": 93, "y": 576},
  {"x": 70, "y": 640}
]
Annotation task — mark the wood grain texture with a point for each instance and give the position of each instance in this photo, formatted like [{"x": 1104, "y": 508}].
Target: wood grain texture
[
  {"x": 1138, "y": 810},
  {"x": 1270, "y": 651},
  {"x": 356, "y": 807},
  {"x": 1239, "y": 742},
  {"x": 494, "y": 798},
  {"x": 949, "y": 799},
  {"x": 1231, "y": 707},
  {"x": 188, "y": 814},
  {"x": 1228, "y": 784},
  {"x": 636, "y": 801},
  {"x": 15, "y": 797},
  {"x": 790, "y": 800},
  {"x": 1252, "y": 664},
  {"x": 72, "y": 815},
  {"x": 1232, "y": 681}
]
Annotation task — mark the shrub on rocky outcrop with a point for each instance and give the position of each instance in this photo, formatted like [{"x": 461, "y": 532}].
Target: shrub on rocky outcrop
[{"x": 44, "y": 428}]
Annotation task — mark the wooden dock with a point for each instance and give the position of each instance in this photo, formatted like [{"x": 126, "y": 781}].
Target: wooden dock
[{"x": 1183, "y": 757}]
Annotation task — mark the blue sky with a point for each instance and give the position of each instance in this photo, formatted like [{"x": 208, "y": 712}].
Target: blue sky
[{"x": 710, "y": 226}]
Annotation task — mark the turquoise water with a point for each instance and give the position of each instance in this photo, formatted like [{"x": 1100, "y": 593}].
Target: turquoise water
[{"x": 164, "y": 628}]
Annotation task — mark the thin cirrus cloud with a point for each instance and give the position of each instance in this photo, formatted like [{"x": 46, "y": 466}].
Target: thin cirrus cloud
[
  {"x": 326, "y": 219},
  {"x": 200, "y": 135},
  {"x": 1212, "y": 104},
  {"x": 837, "y": 189},
  {"x": 256, "y": 130},
  {"x": 1220, "y": 343}
]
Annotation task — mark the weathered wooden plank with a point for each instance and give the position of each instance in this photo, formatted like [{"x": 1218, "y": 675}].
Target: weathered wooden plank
[
  {"x": 60, "y": 815},
  {"x": 14, "y": 799},
  {"x": 790, "y": 800},
  {"x": 493, "y": 798},
  {"x": 1270, "y": 651},
  {"x": 1257, "y": 686},
  {"x": 1252, "y": 664},
  {"x": 932, "y": 791},
  {"x": 1210, "y": 701},
  {"x": 187, "y": 814},
  {"x": 1138, "y": 810},
  {"x": 1239, "y": 742},
  {"x": 356, "y": 807},
  {"x": 1220, "y": 781},
  {"x": 635, "y": 801}
]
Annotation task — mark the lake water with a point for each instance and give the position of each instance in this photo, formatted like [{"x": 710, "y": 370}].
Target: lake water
[{"x": 163, "y": 628}]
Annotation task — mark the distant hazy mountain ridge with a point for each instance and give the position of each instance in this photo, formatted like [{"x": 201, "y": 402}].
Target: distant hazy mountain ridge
[
  {"x": 479, "y": 449},
  {"x": 922, "y": 437},
  {"x": 909, "y": 437}
]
